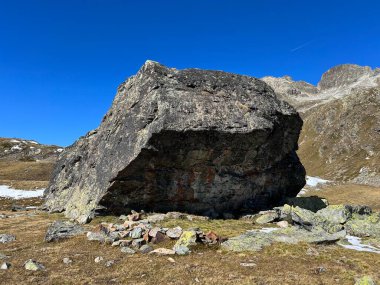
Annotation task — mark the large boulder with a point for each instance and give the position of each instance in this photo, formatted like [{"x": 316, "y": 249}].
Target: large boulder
[{"x": 204, "y": 142}]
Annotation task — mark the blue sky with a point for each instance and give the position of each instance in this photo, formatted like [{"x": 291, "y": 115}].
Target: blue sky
[{"x": 61, "y": 61}]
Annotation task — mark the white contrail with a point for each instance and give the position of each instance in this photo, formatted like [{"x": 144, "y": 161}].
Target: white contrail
[{"x": 302, "y": 46}]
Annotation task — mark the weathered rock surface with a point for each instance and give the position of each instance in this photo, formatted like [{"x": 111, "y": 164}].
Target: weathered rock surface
[
  {"x": 6, "y": 238},
  {"x": 5, "y": 266},
  {"x": 191, "y": 140},
  {"x": 61, "y": 230},
  {"x": 33, "y": 265},
  {"x": 343, "y": 223},
  {"x": 257, "y": 240}
]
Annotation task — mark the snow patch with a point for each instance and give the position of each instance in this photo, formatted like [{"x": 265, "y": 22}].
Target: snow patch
[
  {"x": 59, "y": 150},
  {"x": 356, "y": 244},
  {"x": 33, "y": 142},
  {"x": 7, "y": 192},
  {"x": 16, "y": 147},
  {"x": 268, "y": 230},
  {"x": 315, "y": 181},
  {"x": 14, "y": 141}
]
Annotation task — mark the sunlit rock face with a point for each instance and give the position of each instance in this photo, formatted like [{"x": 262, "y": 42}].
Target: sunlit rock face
[{"x": 199, "y": 141}]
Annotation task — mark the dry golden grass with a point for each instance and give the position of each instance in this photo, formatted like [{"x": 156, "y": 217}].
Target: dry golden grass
[
  {"x": 350, "y": 194},
  {"x": 25, "y": 170},
  {"x": 277, "y": 264},
  {"x": 25, "y": 185}
]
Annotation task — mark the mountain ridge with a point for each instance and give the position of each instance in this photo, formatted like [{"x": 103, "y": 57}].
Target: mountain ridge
[{"x": 339, "y": 140}]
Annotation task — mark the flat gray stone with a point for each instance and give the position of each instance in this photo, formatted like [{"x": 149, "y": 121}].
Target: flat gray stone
[
  {"x": 127, "y": 250},
  {"x": 59, "y": 230}
]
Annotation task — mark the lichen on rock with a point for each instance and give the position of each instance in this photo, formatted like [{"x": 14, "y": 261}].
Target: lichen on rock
[{"x": 198, "y": 141}]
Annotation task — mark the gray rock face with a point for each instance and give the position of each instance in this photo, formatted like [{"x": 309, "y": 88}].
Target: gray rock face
[
  {"x": 285, "y": 86},
  {"x": 344, "y": 74},
  {"x": 191, "y": 140}
]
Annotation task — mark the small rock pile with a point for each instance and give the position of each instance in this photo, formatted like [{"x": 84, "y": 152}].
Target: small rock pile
[{"x": 138, "y": 233}]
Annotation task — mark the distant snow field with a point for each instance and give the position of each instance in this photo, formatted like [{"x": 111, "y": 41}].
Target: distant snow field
[
  {"x": 315, "y": 181},
  {"x": 7, "y": 192},
  {"x": 312, "y": 182}
]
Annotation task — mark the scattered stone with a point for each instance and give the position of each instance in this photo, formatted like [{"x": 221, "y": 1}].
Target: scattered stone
[
  {"x": 98, "y": 259},
  {"x": 6, "y": 238},
  {"x": 162, "y": 251},
  {"x": 181, "y": 250},
  {"x": 127, "y": 250},
  {"x": 3, "y": 216},
  {"x": 123, "y": 217},
  {"x": 137, "y": 243},
  {"x": 156, "y": 218},
  {"x": 160, "y": 237},
  {"x": 67, "y": 260},
  {"x": 267, "y": 217},
  {"x": 129, "y": 224},
  {"x": 146, "y": 248},
  {"x": 211, "y": 238},
  {"x": 3, "y": 256},
  {"x": 365, "y": 280},
  {"x": 125, "y": 242},
  {"x": 302, "y": 217},
  {"x": 248, "y": 264},
  {"x": 61, "y": 230},
  {"x": 171, "y": 260},
  {"x": 136, "y": 233},
  {"x": 109, "y": 263},
  {"x": 116, "y": 243},
  {"x": 154, "y": 231},
  {"x": 5, "y": 266},
  {"x": 187, "y": 239},
  {"x": 319, "y": 270},
  {"x": 135, "y": 216},
  {"x": 96, "y": 236},
  {"x": 334, "y": 214},
  {"x": 282, "y": 224},
  {"x": 174, "y": 233},
  {"x": 33, "y": 265}
]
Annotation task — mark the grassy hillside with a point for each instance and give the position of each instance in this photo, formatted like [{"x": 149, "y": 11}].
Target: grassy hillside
[{"x": 341, "y": 139}]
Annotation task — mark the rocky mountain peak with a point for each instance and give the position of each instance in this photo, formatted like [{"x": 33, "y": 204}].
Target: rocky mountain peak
[{"x": 343, "y": 75}]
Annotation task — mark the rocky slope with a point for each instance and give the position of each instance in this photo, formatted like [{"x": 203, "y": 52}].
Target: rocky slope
[
  {"x": 27, "y": 150},
  {"x": 191, "y": 140},
  {"x": 26, "y": 163},
  {"x": 340, "y": 139}
]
